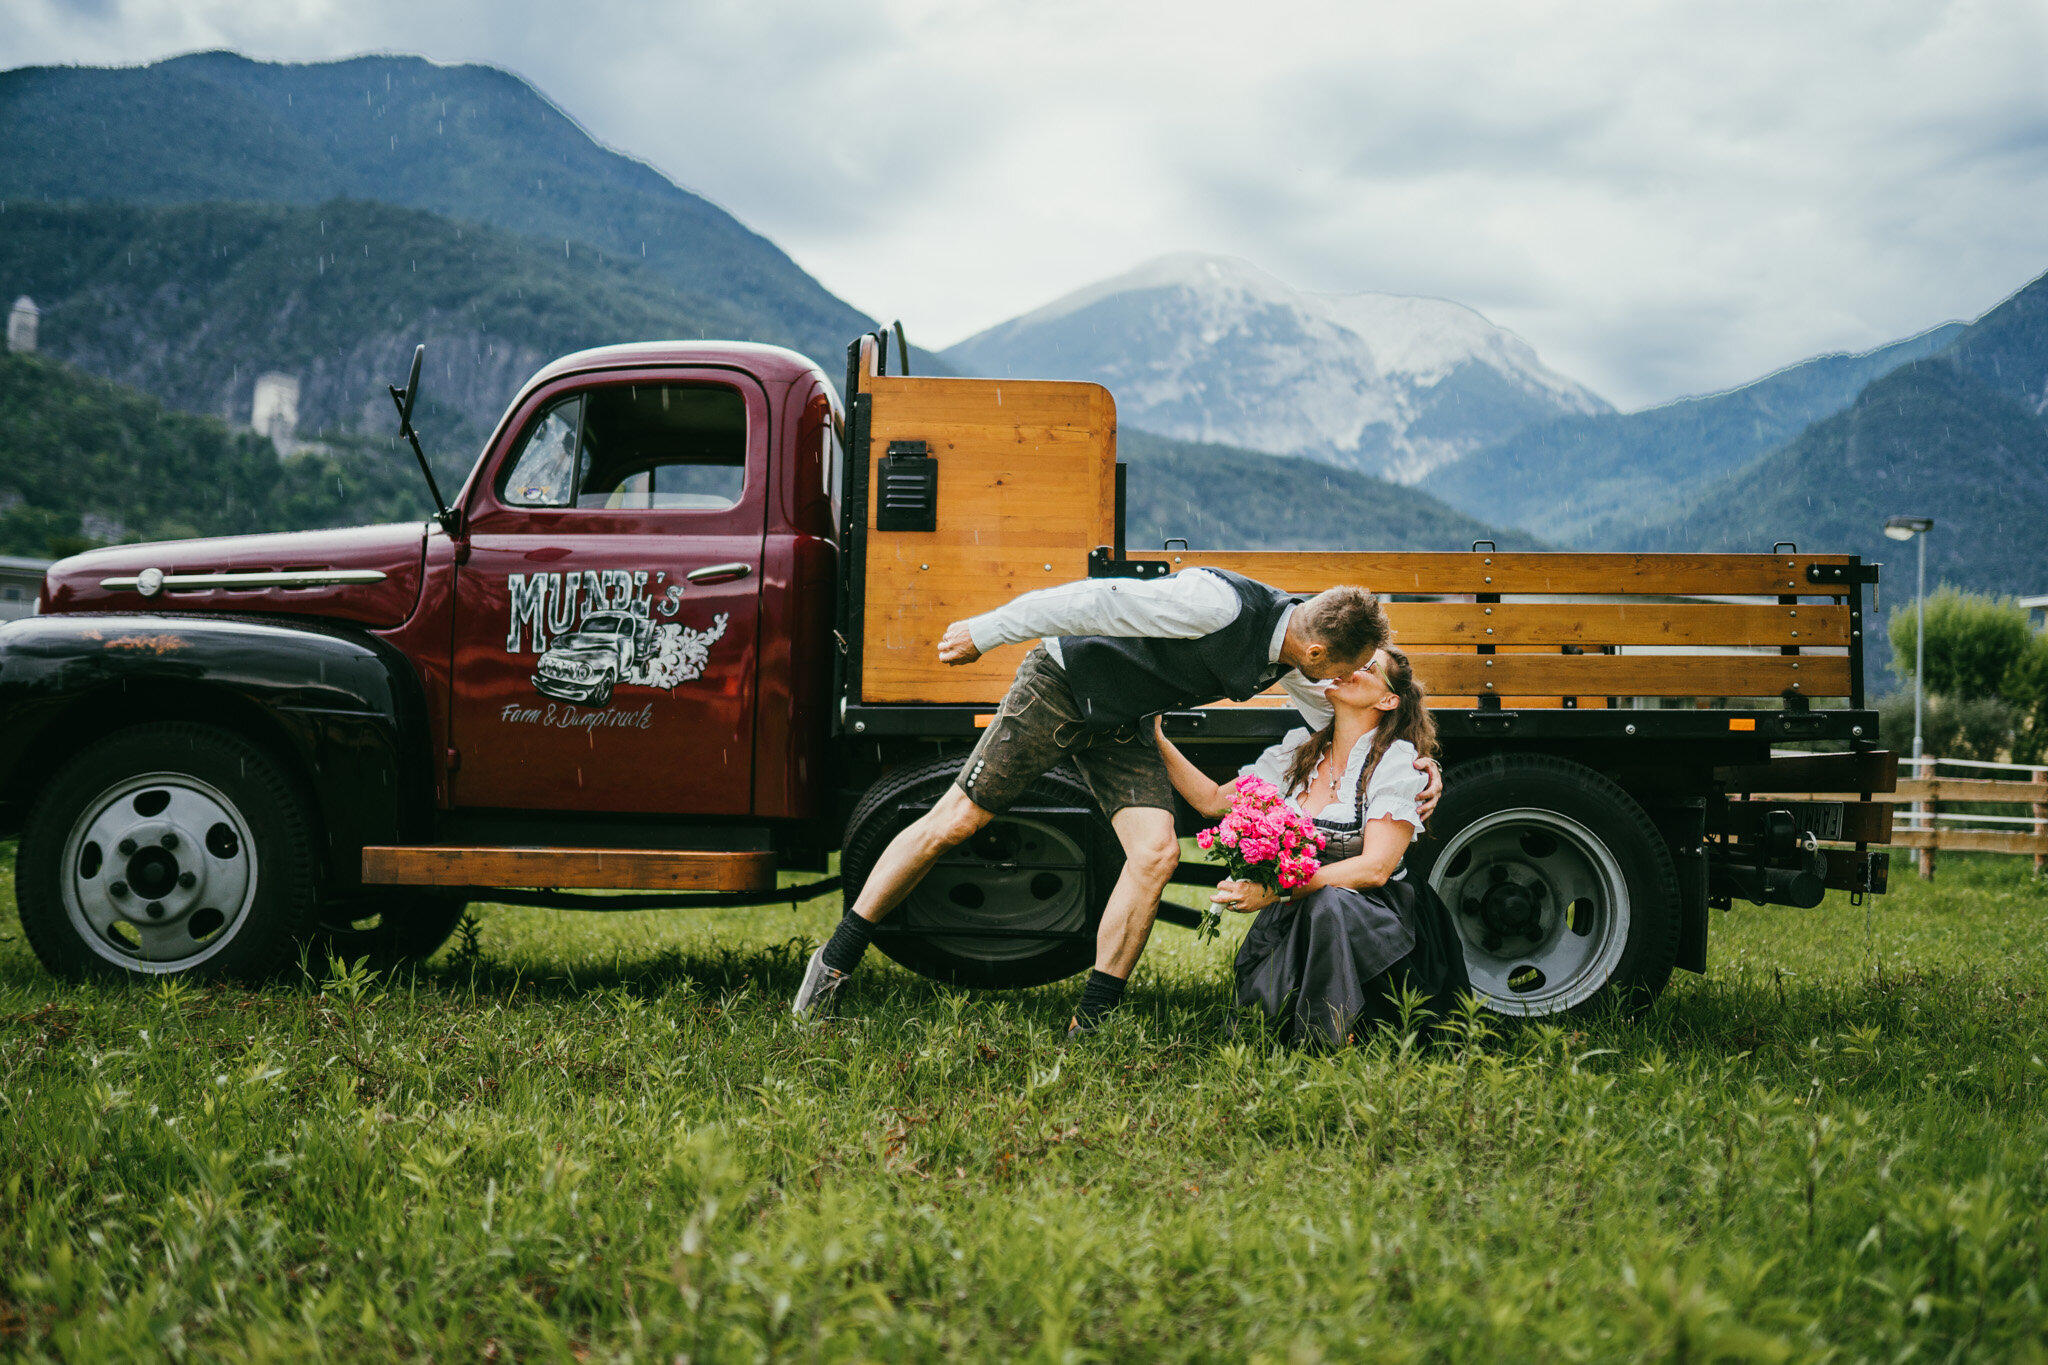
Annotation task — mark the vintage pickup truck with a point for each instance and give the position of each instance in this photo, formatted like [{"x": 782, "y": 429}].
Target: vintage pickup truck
[{"x": 674, "y": 636}]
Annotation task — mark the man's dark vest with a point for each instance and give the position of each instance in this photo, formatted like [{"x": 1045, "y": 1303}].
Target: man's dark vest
[{"x": 1120, "y": 679}]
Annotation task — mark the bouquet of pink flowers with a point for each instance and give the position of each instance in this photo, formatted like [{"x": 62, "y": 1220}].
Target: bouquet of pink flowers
[{"x": 1263, "y": 839}]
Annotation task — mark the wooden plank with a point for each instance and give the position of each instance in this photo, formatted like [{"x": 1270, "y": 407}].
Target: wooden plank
[
  {"x": 1971, "y": 841},
  {"x": 1027, "y": 487},
  {"x": 1970, "y": 789},
  {"x": 1591, "y": 624},
  {"x": 1634, "y": 675},
  {"x": 620, "y": 869},
  {"x": 1875, "y": 770},
  {"x": 1401, "y": 571},
  {"x": 1868, "y": 822}
]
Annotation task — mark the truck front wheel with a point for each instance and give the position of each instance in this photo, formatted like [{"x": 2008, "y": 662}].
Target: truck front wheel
[
  {"x": 1017, "y": 905},
  {"x": 1562, "y": 890},
  {"x": 164, "y": 850}
]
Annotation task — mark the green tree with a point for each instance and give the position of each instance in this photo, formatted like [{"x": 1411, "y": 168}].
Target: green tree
[{"x": 1974, "y": 643}]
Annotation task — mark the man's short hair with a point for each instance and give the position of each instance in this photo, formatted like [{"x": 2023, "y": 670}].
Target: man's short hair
[{"x": 1347, "y": 621}]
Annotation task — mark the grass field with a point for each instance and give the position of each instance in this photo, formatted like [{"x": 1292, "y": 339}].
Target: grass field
[{"x": 593, "y": 1138}]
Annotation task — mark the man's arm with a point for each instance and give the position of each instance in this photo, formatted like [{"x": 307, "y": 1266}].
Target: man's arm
[{"x": 1182, "y": 606}]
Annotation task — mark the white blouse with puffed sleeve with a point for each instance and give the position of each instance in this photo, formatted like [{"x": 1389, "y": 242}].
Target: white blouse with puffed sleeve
[{"x": 1392, "y": 790}]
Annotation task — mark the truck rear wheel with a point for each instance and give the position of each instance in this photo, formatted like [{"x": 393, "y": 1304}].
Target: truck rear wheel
[
  {"x": 1563, "y": 891},
  {"x": 1017, "y": 905},
  {"x": 170, "y": 849}
]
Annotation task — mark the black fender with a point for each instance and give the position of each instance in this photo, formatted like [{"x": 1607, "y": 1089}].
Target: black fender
[{"x": 343, "y": 709}]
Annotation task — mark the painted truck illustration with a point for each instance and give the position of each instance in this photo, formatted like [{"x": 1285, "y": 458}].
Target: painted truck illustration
[
  {"x": 585, "y": 667},
  {"x": 675, "y": 635}
]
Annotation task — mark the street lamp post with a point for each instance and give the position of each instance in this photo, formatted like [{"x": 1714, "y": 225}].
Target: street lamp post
[{"x": 1916, "y": 528}]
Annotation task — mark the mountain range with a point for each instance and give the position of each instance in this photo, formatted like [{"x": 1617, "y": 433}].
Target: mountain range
[
  {"x": 186, "y": 224},
  {"x": 1594, "y": 480},
  {"x": 1210, "y": 348},
  {"x": 1958, "y": 435}
]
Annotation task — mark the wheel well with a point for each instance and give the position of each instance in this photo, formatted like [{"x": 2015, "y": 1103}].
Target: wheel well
[{"x": 95, "y": 715}]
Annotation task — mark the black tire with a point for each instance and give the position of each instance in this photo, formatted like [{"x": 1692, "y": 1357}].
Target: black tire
[
  {"x": 1563, "y": 891},
  {"x": 194, "y": 820},
  {"x": 397, "y": 925},
  {"x": 1047, "y": 865}
]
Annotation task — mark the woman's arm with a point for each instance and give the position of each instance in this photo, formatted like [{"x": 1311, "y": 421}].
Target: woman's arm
[
  {"x": 1196, "y": 787},
  {"x": 1386, "y": 843}
]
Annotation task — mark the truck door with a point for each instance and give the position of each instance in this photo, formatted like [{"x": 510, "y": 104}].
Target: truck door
[{"x": 606, "y": 619}]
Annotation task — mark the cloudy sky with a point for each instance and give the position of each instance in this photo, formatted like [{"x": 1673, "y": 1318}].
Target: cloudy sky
[{"x": 1663, "y": 198}]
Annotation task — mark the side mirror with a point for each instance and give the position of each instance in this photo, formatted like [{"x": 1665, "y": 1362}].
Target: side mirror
[{"x": 404, "y": 399}]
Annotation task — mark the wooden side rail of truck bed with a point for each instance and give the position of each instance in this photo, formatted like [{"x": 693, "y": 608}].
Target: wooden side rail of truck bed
[{"x": 967, "y": 492}]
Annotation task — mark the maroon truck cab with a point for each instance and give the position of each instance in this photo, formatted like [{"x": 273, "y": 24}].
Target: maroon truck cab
[{"x": 623, "y": 633}]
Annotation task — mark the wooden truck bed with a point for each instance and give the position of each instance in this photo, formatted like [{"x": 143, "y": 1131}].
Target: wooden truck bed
[{"x": 1027, "y": 496}]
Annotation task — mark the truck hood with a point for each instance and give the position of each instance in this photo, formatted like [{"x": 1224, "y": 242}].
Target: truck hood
[{"x": 368, "y": 574}]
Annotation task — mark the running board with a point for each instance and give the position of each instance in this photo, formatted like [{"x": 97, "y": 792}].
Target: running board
[{"x": 617, "y": 869}]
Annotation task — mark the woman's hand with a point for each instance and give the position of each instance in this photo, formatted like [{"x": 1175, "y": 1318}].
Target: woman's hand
[
  {"x": 1426, "y": 803},
  {"x": 1245, "y": 898}
]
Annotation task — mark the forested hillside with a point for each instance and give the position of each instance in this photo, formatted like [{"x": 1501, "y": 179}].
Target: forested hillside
[
  {"x": 472, "y": 142},
  {"x": 87, "y": 461},
  {"x": 189, "y": 303},
  {"x": 1222, "y": 498}
]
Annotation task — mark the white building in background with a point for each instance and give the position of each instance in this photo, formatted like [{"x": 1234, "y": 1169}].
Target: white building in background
[
  {"x": 275, "y": 412},
  {"x": 21, "y": 580},
  {"x": 21, "y": 324}
]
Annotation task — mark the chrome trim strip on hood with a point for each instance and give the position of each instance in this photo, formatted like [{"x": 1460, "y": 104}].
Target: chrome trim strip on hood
[{"x": 199, "y": 582}]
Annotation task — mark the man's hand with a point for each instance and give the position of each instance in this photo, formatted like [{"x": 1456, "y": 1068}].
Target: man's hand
[
  {"x": 956, "y": 646},
  {"x": 1245, "y": 898},
  {"x": 1426, "y": 802}
]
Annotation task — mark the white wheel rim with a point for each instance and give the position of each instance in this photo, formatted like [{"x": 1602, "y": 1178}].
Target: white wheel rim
[
  {"x": 159, "y": 873},
  {"x": 1534, "y": 892}
]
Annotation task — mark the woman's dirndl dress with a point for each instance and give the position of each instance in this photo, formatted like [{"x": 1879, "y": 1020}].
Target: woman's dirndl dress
[{"x": 1329, "y": 968}]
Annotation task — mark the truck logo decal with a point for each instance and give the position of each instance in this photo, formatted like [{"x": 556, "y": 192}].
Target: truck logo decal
[{"x": 595, "y": 630}]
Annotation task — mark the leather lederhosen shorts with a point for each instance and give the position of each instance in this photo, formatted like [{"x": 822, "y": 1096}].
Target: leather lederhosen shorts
[{"x": 1039, "y": 727}]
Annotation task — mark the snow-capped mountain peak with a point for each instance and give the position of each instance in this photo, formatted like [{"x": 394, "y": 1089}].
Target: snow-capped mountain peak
[{"x": 1211, "y": 348}]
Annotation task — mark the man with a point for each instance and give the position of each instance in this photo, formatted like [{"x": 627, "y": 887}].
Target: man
[{"x": 1114, "y": 652}]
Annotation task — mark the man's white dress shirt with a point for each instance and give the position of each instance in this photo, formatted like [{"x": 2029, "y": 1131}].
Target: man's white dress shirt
[{"x": 1182, "y": 606}]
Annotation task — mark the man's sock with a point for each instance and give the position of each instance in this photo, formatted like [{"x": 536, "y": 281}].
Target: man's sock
[
  {"x": 843, "y": 950},
  {"x": 1101, "y": 995}
]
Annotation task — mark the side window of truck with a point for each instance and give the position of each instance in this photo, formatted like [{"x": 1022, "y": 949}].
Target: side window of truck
[
  {"x": 637, "y": 448},
  {"x": 543, "y": 473}
]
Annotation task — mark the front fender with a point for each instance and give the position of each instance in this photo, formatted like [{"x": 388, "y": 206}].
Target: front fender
[{"x": 344, "y": 709}]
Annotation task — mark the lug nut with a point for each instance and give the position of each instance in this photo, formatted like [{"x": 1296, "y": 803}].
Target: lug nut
[
  {"x": 155, "y": 909},
  {"x": 169, "y": 840},
  {"x": 127, "y": 847},
  {"x": 119, "y": 888},
  {"x": 187, "y": 880}
]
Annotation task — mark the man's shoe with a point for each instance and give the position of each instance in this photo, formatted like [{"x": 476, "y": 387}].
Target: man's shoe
[
  {"x": 818, "y": 997},
  {"x": 1076, "y": 1029}
]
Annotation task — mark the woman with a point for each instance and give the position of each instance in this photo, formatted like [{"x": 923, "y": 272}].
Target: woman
[{"x": 1324, "y": 958}]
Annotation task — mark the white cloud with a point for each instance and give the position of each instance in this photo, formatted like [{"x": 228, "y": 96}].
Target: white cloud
[{"x": 1663, "y": 198}]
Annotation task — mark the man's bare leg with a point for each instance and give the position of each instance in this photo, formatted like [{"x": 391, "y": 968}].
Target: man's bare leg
[
  {"x": 952, "y": 821},
  {"x": 1151, "y": 852}
]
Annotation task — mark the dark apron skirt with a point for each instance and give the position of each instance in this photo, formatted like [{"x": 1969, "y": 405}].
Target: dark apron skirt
[{"x": 1327, "y": 968}]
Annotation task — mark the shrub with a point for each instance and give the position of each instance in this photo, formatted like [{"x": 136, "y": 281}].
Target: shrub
[
  {"x": 1982, "y": 728},
  {"x": 1973, "y": 642}
]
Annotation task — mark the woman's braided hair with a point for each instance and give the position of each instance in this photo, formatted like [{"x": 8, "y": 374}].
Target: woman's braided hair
[{"x": 1410, "y": 720}]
